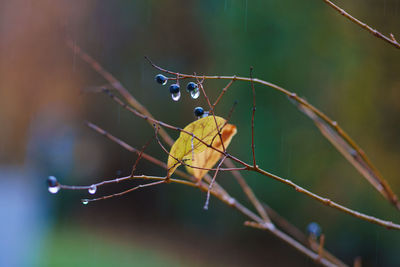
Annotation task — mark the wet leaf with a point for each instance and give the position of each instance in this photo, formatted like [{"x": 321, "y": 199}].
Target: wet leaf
[
  {"x": 193, "y": 152},
  {"x": 209, "y": 157}
]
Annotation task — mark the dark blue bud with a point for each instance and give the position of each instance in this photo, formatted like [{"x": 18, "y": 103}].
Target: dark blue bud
[
  {"x": 314, "y": 229},
  {"x": 161, "y": 79},
  {"x": 174, "y": 88},
  {"x": 198, "y": 111},
  {"x": 191, "y": 86},
  {"x": 52, "y": 181}
]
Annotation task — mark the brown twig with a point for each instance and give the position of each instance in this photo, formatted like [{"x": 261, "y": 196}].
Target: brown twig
[
  {"x": 248, "y": 192},
  {"x": 387, "y": 224},
  {"x": 293, "y": 242},
  {"x": 134, "y": 103},
  {"x": 224, "y": 197},
  {"x": 140, "y": 156},
  {"x": 116, "y": 84},
  {"x": 87, "y": 200},
  {"x": 363, "y": 25},
  {"x": 385, "y": 188},
  {"x": 212, "y": 113},
  {"x": 330, "y": 203},
  {"x": 212, "y": 182},
  {"x": 220, "y": 194},
  {"x": 223, "y": 92}
]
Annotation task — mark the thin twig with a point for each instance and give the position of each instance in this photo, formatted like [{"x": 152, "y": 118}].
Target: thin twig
[
  {"x": 134, "y": 103},
  {"x": 140, "y": 155},
  {"x": 87, "y": 200},
  {"x": 224, "y": 197},
  {"x": 330, "y": 203},
  {"x": 223, "y": 92},
  {"x": 115, "y": 83},
  {"x": 293, "y": 242},
  {"x": 363, "y": 25},
  {"x": 212, "y": 113},
  {"x": 385, "y": 191},
  {"x": 212, "y": 182},
  {"x": 248, "y": 192}
]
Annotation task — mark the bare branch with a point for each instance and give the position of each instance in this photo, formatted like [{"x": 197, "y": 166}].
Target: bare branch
[
  {"x": 116, "y": 84},
  {"x": 363, "y": 25},
  {"x": 386, "y": 190}
]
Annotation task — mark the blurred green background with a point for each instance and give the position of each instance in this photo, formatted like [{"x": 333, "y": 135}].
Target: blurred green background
[{"x": 303, "y": 46}]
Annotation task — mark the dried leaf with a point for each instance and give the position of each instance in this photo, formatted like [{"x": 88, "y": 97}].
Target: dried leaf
[
  {"x": 187, "y": 148},
  {"x": 209, "y": 157}
]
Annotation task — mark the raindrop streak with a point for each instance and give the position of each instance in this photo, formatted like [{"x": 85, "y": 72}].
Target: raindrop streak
[
  {"x": 245, "y": 17},
  {"x": 92, "y": 189},
  {"x": 176, "y": 96},
  {"x": 53, "y": 185},
  {"x": 85, "y": 201},
  {"x": 195, "y": 93}
]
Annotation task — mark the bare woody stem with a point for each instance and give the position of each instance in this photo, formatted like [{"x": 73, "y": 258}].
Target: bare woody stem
[
  {"x": 330, "y": 203},
  {"x": 376, "y": 180},
  {"x": 294, "y": 243},
  {"x": 387, "y": 224},
  {"x": 219, "y": 193},
  {"x": 212, "y": 182},
  {"x": 116, "y": 84},
  {"x": 134, "y": 103},
  {"x": 363, "y": 25},
  {"x": 213, "y": 114}
]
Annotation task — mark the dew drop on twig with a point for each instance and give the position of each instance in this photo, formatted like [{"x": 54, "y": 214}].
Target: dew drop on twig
[
  {"x": 195, "y": 93},
  {"x": 176, "y": 96},
  {"x": 92, "y": 189},
  {"x": 53, "y": 185}
]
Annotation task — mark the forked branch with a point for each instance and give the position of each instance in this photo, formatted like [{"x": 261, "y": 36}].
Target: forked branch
[{"x": 367, "y": 169}]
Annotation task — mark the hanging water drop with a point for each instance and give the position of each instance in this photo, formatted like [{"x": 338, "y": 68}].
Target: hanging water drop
[
  {"x": 195, "y": 93},
  {"x": 193, "y": 89},
  {"x": 174, "y": 89},
  {"x": 92, "y": 189},
  {"x": 85, "y": 201},
  {"x": 53, "y": 185},
  {"x": 176, "y": 96}
]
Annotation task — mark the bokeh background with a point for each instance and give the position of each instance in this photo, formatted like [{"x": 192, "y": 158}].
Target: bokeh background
[{"x": 304, "y": 46}]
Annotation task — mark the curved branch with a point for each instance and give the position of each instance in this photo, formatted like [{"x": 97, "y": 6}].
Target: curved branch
[
  {"x": 362, "y": 163},
  {"x": 365, "y": 26}
]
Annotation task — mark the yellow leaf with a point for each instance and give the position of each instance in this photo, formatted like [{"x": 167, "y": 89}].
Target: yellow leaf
[
  {"x": 209, "y": 157},
  {"x": 186, "y": 148}
]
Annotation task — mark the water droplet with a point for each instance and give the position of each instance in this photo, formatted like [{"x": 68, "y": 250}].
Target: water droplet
[
  {"x": 195, "y": 93},
  {"x": 176, "y": 96},
  {"x": 205, "y": 114},
  {"x": 92, "y": 189},
  {"x": 85, "y": 201},
  {"x": 54, "y": 189},
  {"x": 53, "y": 185}
]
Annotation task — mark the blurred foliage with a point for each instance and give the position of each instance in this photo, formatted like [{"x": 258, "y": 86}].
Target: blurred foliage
[{"x": 74, "y": 247}]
